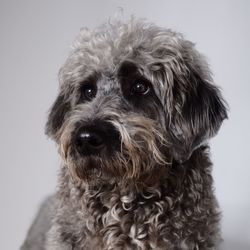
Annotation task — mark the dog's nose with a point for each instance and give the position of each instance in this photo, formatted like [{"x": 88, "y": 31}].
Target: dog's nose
[{"x": 89, "y": 142}]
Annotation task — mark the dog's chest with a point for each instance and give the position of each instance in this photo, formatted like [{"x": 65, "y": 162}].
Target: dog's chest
[{"x": 126, "y": 223}]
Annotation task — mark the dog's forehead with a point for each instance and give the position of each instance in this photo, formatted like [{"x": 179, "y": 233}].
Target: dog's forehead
[
  {"x": 107, "y": 82},
  {"x": 105, "y": 48}
]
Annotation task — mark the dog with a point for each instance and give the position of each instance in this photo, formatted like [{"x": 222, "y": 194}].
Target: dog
[{"x": 136, "y": 108}]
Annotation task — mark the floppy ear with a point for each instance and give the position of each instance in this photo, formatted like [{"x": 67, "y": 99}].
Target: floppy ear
[
  {"x": 198, "y": 112},
  {"x": 57, "y": 115}
]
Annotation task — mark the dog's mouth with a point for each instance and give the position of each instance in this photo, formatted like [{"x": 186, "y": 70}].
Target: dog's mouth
[
  {"x": 114, "y": 164},
  {"x": 87, "y": 167}
]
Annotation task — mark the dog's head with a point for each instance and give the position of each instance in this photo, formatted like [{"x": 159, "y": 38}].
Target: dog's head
[{"x": 133, "y": 97}]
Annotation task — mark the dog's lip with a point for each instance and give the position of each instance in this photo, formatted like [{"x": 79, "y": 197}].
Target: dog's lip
[{"x": 92, "y": 162}]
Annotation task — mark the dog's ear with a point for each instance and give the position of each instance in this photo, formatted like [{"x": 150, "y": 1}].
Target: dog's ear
[
  {"x": 57, "y": 115},
  {"x": 197, "y": 112}
]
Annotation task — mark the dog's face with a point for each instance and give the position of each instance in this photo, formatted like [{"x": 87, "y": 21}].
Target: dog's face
[{"x": 133, "y": 97}]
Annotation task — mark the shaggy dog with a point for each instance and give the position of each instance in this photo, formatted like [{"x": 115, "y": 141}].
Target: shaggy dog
[{"x": 135, "y": 110}]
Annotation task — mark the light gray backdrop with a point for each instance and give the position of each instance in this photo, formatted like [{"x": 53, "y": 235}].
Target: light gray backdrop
[{"x": 34, "y": 41}]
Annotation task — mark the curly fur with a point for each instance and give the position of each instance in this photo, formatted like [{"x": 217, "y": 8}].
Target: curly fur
[{"x": 151, "y": 188}]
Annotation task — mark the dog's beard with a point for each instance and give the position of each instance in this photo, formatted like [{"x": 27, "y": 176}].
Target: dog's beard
[{"x": 142, "y": 153}]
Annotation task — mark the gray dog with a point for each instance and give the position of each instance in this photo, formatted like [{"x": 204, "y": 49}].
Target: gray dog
[{"x": 135, "y": 109}]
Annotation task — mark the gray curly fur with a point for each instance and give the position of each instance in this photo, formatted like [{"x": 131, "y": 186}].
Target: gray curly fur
[{"x": 155, "y": 190}]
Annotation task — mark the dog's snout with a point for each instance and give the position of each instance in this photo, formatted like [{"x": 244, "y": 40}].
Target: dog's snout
[
  {"x": 96, "y": 137},
  {"x": 89, "y": 142}
]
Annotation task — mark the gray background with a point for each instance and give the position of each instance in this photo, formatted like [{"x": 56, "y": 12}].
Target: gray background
[{"x": 34, "y": 41}]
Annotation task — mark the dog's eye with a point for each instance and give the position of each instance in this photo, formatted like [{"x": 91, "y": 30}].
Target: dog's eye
[
  {"x": 88, "y": 92},
  {"x": 139, "y": 88}
]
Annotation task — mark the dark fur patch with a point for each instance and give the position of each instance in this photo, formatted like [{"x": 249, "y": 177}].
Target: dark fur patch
[{"x": 149, "y": 103}]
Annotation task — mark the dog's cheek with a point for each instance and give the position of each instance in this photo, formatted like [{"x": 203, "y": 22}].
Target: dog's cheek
[{"x": 57, "y": 115}]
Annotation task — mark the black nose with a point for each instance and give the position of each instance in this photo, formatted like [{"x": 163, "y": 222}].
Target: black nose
[{"x": 89, "y": 142}]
